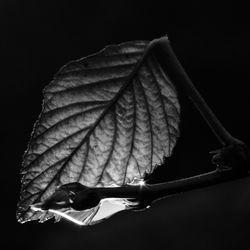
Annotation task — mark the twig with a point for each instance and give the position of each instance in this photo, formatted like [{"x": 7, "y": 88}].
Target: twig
[
  {"x": 181, "y": 79},
  {"x": 234, "y": 154},
  {"x": 156, "y": 191},
  {"x": 146, "y": 194}
]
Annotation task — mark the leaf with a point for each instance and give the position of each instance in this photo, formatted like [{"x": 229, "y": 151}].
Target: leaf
[{"x": 106, "y": 119}]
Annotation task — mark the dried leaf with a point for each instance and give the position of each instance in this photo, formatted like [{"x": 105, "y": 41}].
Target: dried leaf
[{"x": 107, "y": 119}]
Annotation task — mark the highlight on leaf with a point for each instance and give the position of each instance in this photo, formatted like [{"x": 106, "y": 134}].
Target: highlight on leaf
[{"x": 107, "y": 120}]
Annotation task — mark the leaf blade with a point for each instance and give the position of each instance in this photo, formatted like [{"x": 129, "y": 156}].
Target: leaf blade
[{"x": 104, "y": 121}]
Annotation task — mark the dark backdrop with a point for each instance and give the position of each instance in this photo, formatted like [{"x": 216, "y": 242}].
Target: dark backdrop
[{"x": 211, "y": 41}]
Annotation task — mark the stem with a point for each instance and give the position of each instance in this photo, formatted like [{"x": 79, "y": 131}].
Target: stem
[
  {"x": 181, "y": 79},
  {"x": 156, "y": 191}
]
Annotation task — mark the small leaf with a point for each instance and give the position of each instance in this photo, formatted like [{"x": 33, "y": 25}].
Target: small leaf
[{"x": 106, "y": 119}]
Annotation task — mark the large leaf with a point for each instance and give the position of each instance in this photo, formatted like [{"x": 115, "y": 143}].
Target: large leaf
[{"x": 107, "y": 119}]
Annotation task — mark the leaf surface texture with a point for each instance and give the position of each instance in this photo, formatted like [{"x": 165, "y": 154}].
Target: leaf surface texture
[{"x": 106, "y": 119}]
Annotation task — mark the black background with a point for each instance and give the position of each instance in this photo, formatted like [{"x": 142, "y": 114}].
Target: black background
[{"x": 211, "y": 41}]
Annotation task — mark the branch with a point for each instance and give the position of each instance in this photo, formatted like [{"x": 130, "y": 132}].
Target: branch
[
  {"x": 182, "y": 80},
  {"x": 80, "y": 197},
  {"x": 146, "y": 194},
  {"x": 156, "y": 191},
  {"x": 235, "y": 153}
]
